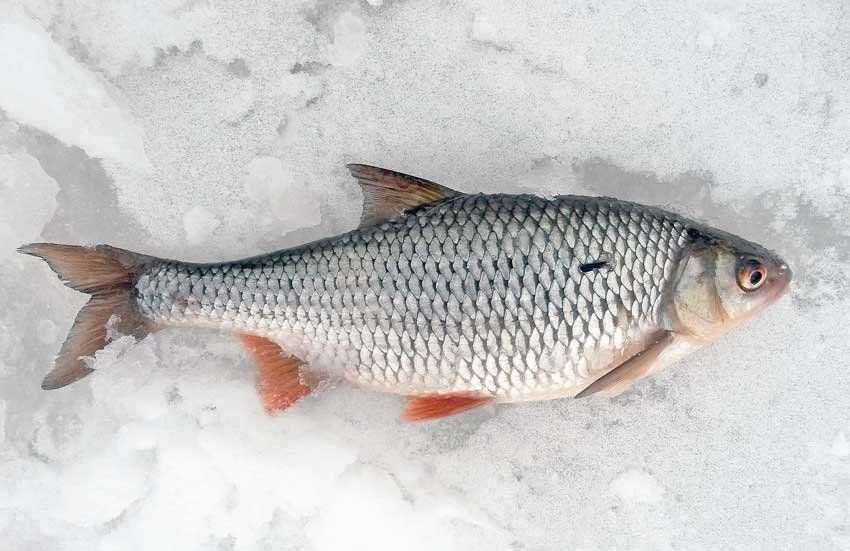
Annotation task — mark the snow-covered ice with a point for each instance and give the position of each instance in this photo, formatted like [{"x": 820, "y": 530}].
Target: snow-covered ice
[
  {"x": 46, "y": 88},
  {"x": 634, "y": 486},
  {"x": 214, "y": 130},
  {"x": 28, "y": 196},
  {"x": 199, "y": 224}
]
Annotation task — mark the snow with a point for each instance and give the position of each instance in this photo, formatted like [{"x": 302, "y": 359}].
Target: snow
[
  {"x": 206, "y": 131},
  {"x": 276, "y": 198},
  {"x": 46, "y": 88},
  {"x": 47, "y": 332},
  {"x": 199, "y": 224},
  {"x": 349, "y": 40},
  {"x": 2, "y": 421},
  {"x": 29, "y": 196},
  {"x": 635, "y": 486},
  {"x": 840, "y": 446}
]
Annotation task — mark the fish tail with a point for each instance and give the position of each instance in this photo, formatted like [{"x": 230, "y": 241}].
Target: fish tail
[{"x": 108, "y": 275}]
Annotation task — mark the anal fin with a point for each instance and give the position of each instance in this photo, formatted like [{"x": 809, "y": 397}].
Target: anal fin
[
  {"x": 280, "y": 381},
  {"x": 435, "y": 406}
]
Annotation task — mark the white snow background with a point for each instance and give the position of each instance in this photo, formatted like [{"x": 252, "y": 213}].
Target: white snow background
[{"x": 209, "y": 130}]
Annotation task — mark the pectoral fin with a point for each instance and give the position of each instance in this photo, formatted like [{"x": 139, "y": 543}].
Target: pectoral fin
[
  {"x": 619, "y": 379},
  {"x": 388, "y": 194}
]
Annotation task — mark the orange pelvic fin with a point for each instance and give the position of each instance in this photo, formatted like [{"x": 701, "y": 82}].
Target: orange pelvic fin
[
  {"x": 434, "y": 406},
  {"x": 280, "y": 381}
]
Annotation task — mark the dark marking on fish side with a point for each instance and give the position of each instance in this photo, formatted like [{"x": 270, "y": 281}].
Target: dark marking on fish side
[{"x": 593, "y": 266}]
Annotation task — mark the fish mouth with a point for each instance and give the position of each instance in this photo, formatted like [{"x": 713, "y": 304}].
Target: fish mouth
[{"x": 782, "y": 282}]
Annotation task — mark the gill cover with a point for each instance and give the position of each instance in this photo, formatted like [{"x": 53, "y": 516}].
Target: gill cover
[{"x": 698, "y": 311}]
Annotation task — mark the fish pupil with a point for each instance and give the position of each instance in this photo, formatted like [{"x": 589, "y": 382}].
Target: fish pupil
[{"x": 755, "y": 277}]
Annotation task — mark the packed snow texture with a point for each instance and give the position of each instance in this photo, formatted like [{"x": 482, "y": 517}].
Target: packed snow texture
[{"x": 215, "y": 130}]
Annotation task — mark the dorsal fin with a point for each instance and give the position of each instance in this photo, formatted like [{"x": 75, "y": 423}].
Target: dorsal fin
[{"x": 387, "y": 194}]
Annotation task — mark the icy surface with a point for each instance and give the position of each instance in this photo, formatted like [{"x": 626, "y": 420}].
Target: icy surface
[
  {"x": 28, "y": 196},
  {"x": 212, "y": 130},
  {"x": 46, "y": 88}
]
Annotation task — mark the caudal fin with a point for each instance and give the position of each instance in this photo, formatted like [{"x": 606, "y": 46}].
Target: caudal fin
[{"x": 107, "y": 274}]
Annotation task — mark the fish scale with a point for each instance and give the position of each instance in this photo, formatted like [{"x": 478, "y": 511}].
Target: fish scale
[{"x": 472, "y": 293}]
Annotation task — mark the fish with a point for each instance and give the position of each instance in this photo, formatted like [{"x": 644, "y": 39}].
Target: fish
[{"x": 455, "y": 300}]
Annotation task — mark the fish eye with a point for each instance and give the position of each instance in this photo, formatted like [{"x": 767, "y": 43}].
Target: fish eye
[{"x": 751, "y": 275}]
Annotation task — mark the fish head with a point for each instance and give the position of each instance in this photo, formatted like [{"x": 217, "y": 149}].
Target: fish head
[{"x": 722, "y": 281}]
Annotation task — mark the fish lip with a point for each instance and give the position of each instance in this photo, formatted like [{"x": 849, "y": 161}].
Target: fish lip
[{"x": 783, "y": 281}]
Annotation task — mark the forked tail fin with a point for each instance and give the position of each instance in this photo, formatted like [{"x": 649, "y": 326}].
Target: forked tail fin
[{"x": 107, "y": 274}]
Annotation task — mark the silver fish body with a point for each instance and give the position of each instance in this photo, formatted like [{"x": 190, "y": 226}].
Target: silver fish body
[
  {"x": 474, "y": 293},
  {"x": 459, "y": 300}
]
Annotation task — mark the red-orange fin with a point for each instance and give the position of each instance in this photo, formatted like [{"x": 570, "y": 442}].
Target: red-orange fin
[
  {"x": 280, "y": 381},
  {"x": 434, "y": 406}
]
